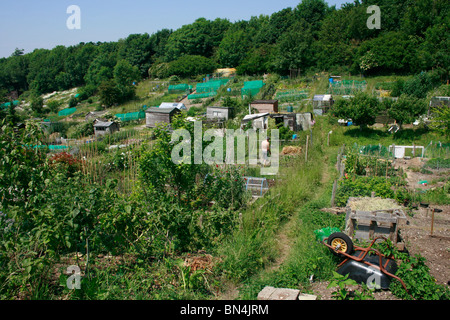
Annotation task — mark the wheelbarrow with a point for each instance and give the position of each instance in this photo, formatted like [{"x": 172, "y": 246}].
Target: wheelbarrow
[{"x": 358, "y": 263}]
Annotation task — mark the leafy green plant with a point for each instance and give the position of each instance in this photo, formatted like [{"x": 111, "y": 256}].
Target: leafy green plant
[{"x": 342, "y": 292}]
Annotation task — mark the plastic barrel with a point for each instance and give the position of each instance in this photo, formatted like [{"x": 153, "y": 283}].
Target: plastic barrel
[{"x": 290, "y": 109}]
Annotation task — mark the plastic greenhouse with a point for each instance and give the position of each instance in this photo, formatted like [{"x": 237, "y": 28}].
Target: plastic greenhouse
[
  {"x": 180, "y": 88},
  {"x": 252, "y": 87},
  {"x": 257, "y": 186}
]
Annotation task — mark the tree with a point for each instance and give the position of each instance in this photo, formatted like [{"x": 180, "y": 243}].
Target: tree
[
  {"x": 109, "y": 93},
  {"x": 125, "y": 74},
  {"x": 198, "y": 38},
  {"x": 440, "y": 121},
  {"x": 37, "y": 105},
  {"x": 233, "y": 48},
  {"x": 189, "y": 65},
  {"x": 295, "y": 49},
  {"x": 362, "y": 109},
  {"x": 406, "y": 109}
]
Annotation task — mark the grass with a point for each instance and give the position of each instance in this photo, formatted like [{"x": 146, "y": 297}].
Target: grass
[{"x": 290, "y": 212}]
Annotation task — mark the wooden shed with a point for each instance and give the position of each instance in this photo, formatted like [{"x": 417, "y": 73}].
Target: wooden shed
[
  {"x": 265, "y": 105},
  {"x": 157, "y": 115},
  {"x": 288, "y": 120},
  {"x": 102, "y": 128},
  {"x": 219, "y": 113}
]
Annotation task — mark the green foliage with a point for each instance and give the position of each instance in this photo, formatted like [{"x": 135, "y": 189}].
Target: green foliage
[
  {"x": 37, "y": 105},
  {"x": 420, "y": 284},
  {"x": 191, "y": 65},
  {"x": 83, "y": 129},
  {"x": 362, "y": 109},
  {"x": 357, "y": 186},
  {"x": 341, "y": 283}
]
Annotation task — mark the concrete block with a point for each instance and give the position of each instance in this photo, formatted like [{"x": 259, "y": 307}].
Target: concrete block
[
  {"x": 305, "y": 296},
  {"x": 265, "y": 293},
  {"x": 271, "y": 293}
]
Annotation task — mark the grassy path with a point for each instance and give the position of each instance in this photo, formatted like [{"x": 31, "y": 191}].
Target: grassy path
[{"x": 285, "y": 223}]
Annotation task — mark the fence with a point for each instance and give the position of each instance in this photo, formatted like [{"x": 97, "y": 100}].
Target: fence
[
  {"x": 346, "y": 87},
  {"x": 291, "y": 95}
]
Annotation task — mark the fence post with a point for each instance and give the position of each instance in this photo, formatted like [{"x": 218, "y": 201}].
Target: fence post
[
  {"x": 333, "y": 193},
  {"x": 306, "y": 151}
]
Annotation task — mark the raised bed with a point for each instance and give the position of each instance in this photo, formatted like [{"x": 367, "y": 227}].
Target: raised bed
[{"x": 367, "y": 218}]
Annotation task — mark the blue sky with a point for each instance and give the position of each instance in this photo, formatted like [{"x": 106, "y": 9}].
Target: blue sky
[{"x": 31, "y": 24}]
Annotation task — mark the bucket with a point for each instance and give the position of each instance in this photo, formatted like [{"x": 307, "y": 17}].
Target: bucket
[{"x": 290, "y": 109}]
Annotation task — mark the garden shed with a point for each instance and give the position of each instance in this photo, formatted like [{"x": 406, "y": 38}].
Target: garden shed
[
  {"x": 259, "y": 120},
  {"x": 170, "y": 105},
  {"x": 287, "y": 119},
  {"x": 92, "y": 115},
  {"x": 101, "y": 128},
  {"x": 322, "y": 103},
  {"x": 265, "y": 105},
  {"x": 159, "y": 115},
  {"x": 222, "y": 113}
]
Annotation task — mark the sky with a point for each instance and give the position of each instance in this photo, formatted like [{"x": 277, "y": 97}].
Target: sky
[{"x": 32, "y": 24}]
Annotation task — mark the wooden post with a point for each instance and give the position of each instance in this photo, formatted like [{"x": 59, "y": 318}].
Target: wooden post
[
  {"x": 306, "y": 151},
  {"x": 333, "y": 193},
  {"x": 432, "y": 222}
]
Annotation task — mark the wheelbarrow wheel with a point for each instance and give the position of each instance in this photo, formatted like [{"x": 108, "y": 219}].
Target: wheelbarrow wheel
[{"x": 340, "y": 242}]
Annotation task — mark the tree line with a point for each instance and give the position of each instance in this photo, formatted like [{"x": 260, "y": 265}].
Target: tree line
[{"x": 311, "y": 36}]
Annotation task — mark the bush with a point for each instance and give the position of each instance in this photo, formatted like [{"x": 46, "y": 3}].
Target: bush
[{"x": 188, "y": 66}]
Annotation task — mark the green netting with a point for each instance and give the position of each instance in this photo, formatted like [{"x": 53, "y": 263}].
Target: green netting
[
  {"x": 252, "y": 87},
  {"x": 131, "y": 116},
  {"x": 201, "y": 95},
  {"x": 179, "y": 88},
  {"x": 50, "y": 147},
  {"x": 211, "y": 85},
  {"x": 67, "y": 112},
  {"x": 7, "y": 104},
  {"x": 254, "y": 84},
  {"x": 373, "y": 150},
  {"x": 346, "y": 87},
  {"x": 291, "y": 95},
  {"x": 58, "y": 147}
]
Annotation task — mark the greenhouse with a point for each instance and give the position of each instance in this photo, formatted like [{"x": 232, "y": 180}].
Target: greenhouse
[
  {"x": 67, "y": 112},
  {"x": 346, "y": 87},
  {"x": 252, "y": 88},
  {"x": 131, "y": 116}
]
